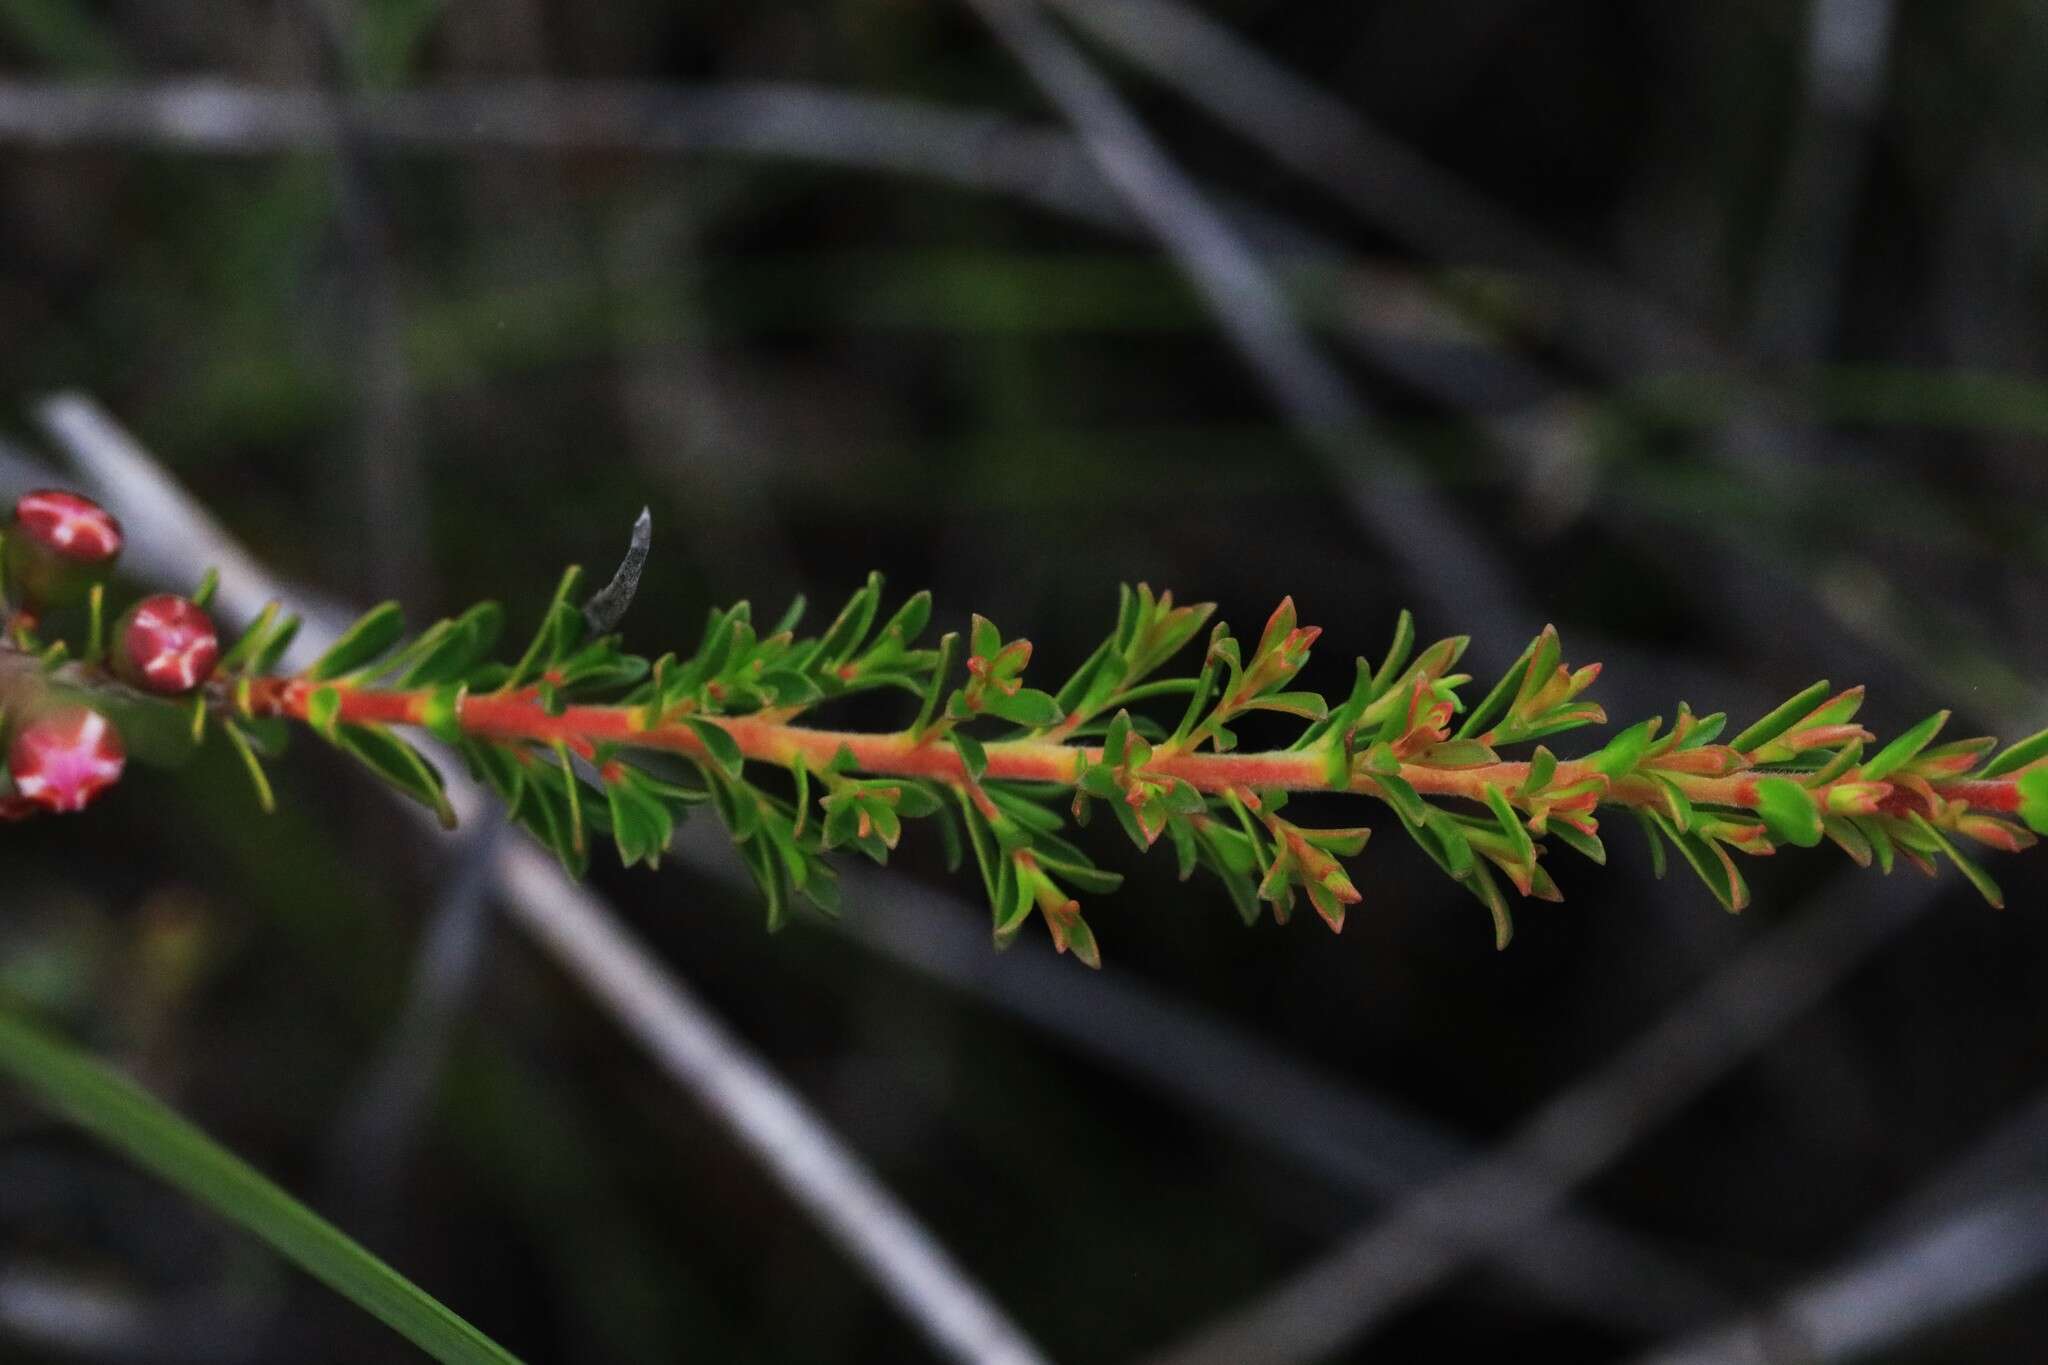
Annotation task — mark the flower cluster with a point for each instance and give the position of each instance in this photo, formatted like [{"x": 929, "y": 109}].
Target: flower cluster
[
  {"x": 583, "y": 740},
  {"x": 63, "y": 747}
]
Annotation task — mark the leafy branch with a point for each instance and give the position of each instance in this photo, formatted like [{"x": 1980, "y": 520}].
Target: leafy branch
[{"x": 586, "y": 742}]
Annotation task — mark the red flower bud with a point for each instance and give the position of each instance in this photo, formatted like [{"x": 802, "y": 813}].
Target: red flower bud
[
  {"x": 59, "y": 545},
  {"x": 165, "y": 644},
  {"x": 64, "y": 758}
]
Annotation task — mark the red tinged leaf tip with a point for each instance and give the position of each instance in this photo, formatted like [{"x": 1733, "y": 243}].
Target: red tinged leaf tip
[
  {"x": 62, "y": 760},
  {"x": 165, "y": 644},
  {"x": 73, "y": 526}
]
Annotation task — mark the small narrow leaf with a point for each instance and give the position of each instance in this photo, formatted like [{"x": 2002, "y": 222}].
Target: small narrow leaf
[
  {"x": 374, "y": 632},
  {"x": 1027, "y": 706},
  {"x": 972, "y": 756},
  {"x": 1976, "y": 875},
  {"x": 1510, "y": 823},
  {"x": 1788, "y": 811},
  {"x": 719, "y": 746},
  {"x": 1901, "y": 750},
  {"x": 1575, "y": 838},
  {"x": 399, "y": 764},
  {"x": 323, "y": 708},
  {"x": 1787, "y": 714},
  {"x": 2033, "y": 788},
  {"x": 257, "y": 779},
  {"x": 1397, "y": 653},
  {"x": 2032, "y": 749}
]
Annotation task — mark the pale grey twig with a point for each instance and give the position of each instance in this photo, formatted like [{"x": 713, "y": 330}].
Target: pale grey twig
[
  {"x": 374, "y": 1135},
  {"x": 974, "y": 148},
  {"x": 1380, "y": 178},
  {"x": 1505, "y": 1195},
  {"x": 814, "y": 1167},
  {"x": 1451, "y": 569},
  {"x": 1806, "y": 254},
  {"x": 1882, "y": 1299},
  {"x": 1969, "y": 1234},
  {"x": 1356, "y": 1140}
]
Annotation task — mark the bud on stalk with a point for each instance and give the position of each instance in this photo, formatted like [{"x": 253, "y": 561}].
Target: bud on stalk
[
  {"x": 64, "y": 758},
  {"x": 59, "y": 545},
  {"x": 165, "y": 644}
]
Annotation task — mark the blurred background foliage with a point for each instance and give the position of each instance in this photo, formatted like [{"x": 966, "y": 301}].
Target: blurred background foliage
[{"x": 1715, "y": 327}]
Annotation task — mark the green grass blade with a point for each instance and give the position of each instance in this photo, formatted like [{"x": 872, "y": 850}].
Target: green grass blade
[{"x": 124, "y": 1116}]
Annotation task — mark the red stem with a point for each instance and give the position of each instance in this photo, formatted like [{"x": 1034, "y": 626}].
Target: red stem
[{"x": 519, "y": 716}]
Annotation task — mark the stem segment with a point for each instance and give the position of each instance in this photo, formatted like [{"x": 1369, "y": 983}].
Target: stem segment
[{"x": 519, "y": 716}]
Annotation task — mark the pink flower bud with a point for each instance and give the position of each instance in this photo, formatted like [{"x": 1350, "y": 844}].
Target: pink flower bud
[
  {"x": 64, "y": 758},
  {"x": 165, "y": 644},
  {"x": 59, "y": 545},
  {"x": 73, "y": 526}
]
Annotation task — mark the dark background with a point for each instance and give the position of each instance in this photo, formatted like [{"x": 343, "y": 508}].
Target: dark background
[{"x": 1709, "y": 331}]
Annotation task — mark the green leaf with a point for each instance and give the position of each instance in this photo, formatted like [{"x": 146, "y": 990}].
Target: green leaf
[
  {"x": 257, "y": 779},
  {"x": 1402, "y": 797},
  {"x": 2034, "y": 800},
  {"x": 722, "y": 749},
  {"x": 1880, "y": 841},
  {"x": 972, "y": 756},
  {"x": 1845, "y": 758},
  {"x": 323, "y": 709},
  {"x": 1307, "y": 705},
  {"x": 1658, "y": 863},
  {"x": 1977, "y": 876},
  {"x": 1083, "y": 876},
  {"x": 910, "y": 619},
  {"x": 1709, "y": 862},
  {"x": 1482, "y": 885},
  {"x": 1587, "y": 844},
  {"x": 641, "y": 825},
  {"x": 122, "y": 1115},
  {"x": 1625, "y": 750},
  {"x": 1787, "y": 714},
  {"x": 935, "y": 684},
  {"x": 1676, "y": 802},
  {"x": 550, "y": 632},
  {"x": 850, "y": 627},
  {"x": 573, "y": 791},
  {"x": 374, "y": 632},
  {"x": 399, "y": 764},
  {"x": 1788, "y": 811},
  {"x": 1705, "y": 730},
  {"x": 2029, "y": 750},
  {"x": 243, "y": 649},
  {"x": 1902, "y": 750},
  {"x": 1510, "y": 823},
  {"x": 1851, "y": 839},
  {"x": 462, "y": 646},
  {"x": 1397, "y": 654},
  {"x": 441, "y": 714},
  {"x": 273, "y": 645},
  {"x": 1451, "y": 843},
  {"x": 1496, "y": 703},
  {"x": 1098, "y": 673},
  {"x": 786, "y": 687},
  {"x": 1545, "y": 652},
  {"x": 1027, "y": 706}
]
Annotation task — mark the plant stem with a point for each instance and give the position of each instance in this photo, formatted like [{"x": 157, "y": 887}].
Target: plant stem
[{"x": 519, "y": 716}]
